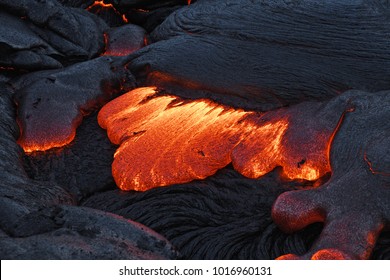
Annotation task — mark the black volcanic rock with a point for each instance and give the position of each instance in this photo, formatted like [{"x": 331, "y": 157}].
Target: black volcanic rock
[
  {"x": 45, "y": 34},
  {"x": 36, "y": 221},
  {"x": 20, "y": 47},
  {"x": 150, "y": 19},
  {"x": 69, "y": 232},
  {"x": 267, "y": 54},
  {"x": 19, "y": 195},
  {"x": 83, "y": 4},
  {"x": 251, "y": 54},
  {"x": 226, "y": 216},
  {"x": 52, "y": 103},
  {"x": 124, "y": 40},
  {"x": 354, "y": 203},
  {"x": 148, "y": 4},
  {"x": 83, "y": 168}
]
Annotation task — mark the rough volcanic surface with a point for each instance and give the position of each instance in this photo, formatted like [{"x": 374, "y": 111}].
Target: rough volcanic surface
[
  {"x": 266, "y": 57},
  {"x": 82, "y": 233},
  {"x": 45, "y": 34},
  {"x": 83, "y": 167},
  {"x": 267, "y": 54},
  {"x": 125, "y": 40},
  {"x": 39, "y": 220},
  {"x": 354, "y": 203},
  {"x": 52, "y": 103},
  {"x": 226, "y": 216}
]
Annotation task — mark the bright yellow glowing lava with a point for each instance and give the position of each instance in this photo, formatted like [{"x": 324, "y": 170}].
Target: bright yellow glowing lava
[{"x": 166, "y": 140}]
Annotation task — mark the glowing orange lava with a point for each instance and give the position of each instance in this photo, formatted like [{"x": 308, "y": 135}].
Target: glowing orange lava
[
  {"x": 166, "y": 140},
  {"x": 101, "y": 4},
  {"x": 49, "y": 138}
]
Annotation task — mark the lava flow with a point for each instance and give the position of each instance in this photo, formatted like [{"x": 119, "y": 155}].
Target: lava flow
[
  {"x": 166, "y": 140},
  {"x": 100, "y": 5}
]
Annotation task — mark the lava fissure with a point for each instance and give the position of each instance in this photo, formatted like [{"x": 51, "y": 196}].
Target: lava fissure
[
  {"x": 99, "y": 4},
  {"x": 372, "y": 170}
]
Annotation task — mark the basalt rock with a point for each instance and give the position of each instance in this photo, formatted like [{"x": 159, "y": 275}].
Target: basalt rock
[
  {"x": 69, "y": 232},
  {"x": 124, "y": 40},
  {"x": 267, "y": 54},
  {"x": 226, "y": 216},
  {"x": 83, "y": 167},
  {"x": 354, "y": 203},
  {"x": 44, "y": 34},
  {"x": 37, "y": 221},
  {"x": 51, "y": 104},
  {"x": 148, "y": 4},
  {"x": 19, "y": 194}
]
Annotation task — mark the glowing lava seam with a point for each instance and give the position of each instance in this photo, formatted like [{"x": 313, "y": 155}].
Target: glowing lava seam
[
  {"x": 101, "y": 4},
  {"x": 165, "y": 140}
]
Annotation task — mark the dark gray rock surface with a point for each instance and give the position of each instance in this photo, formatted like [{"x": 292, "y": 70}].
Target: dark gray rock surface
[
  {"x": 51, "y": 104},
  {"x": 268, "y": 54},
  {"x": 124, "y": 40},
  {"x": 226, "y": 216},
  {"x": 354, "y": 203},
  {"x": 82, "y": 167},
  {"x": 37, "y": 221},
  {"x": 44, "y": 34},
  {"x": 251, "y": 54},
  {"x": 70, "y": 232}
]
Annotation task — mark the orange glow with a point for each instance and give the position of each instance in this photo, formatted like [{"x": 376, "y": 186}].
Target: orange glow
[
  {"x": 189, "y": 2},
  {"x": 166, "y": 140},
  {"x": 36, "y": 147},
  {"x": 179, "y": 141},
  {"x": 101, "y": 4},
  {"x": 372, "y": 170},
  {"x": 330, "y": 254},
  {"x": 288, "y": 257},
  {"x": 47, "y": 139},
  {"x": 124, "y": 18}
]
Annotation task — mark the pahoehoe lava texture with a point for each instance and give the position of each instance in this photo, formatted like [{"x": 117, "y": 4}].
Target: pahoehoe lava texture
[
  {"x": 354, "y": 203},
  {"x": 226, "y": 216},
  {"x": 38, "y": 220},
  {"x": 82, "y": 167},
  {"x": 38, "y": 35},
  {"x": 258, "y": 55},
  {"x": 266, "y": 54},
  {"x": 69, "y": 232},
  {"x": 52, "y": 103},
  {"x": 125, "y": 40},
  {"x": 19, "y": 194}
]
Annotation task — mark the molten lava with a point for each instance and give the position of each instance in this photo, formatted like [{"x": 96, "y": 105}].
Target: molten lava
[
  {"x": 99, "y": 4},
  {"x": 39, "y": 145},
  {"x": 166, "y": 140}
]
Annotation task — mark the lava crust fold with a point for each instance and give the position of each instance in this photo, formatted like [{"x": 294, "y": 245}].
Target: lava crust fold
[
  {"x": 52, "y": 103},
  {"x": 354, "y": 203}
]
